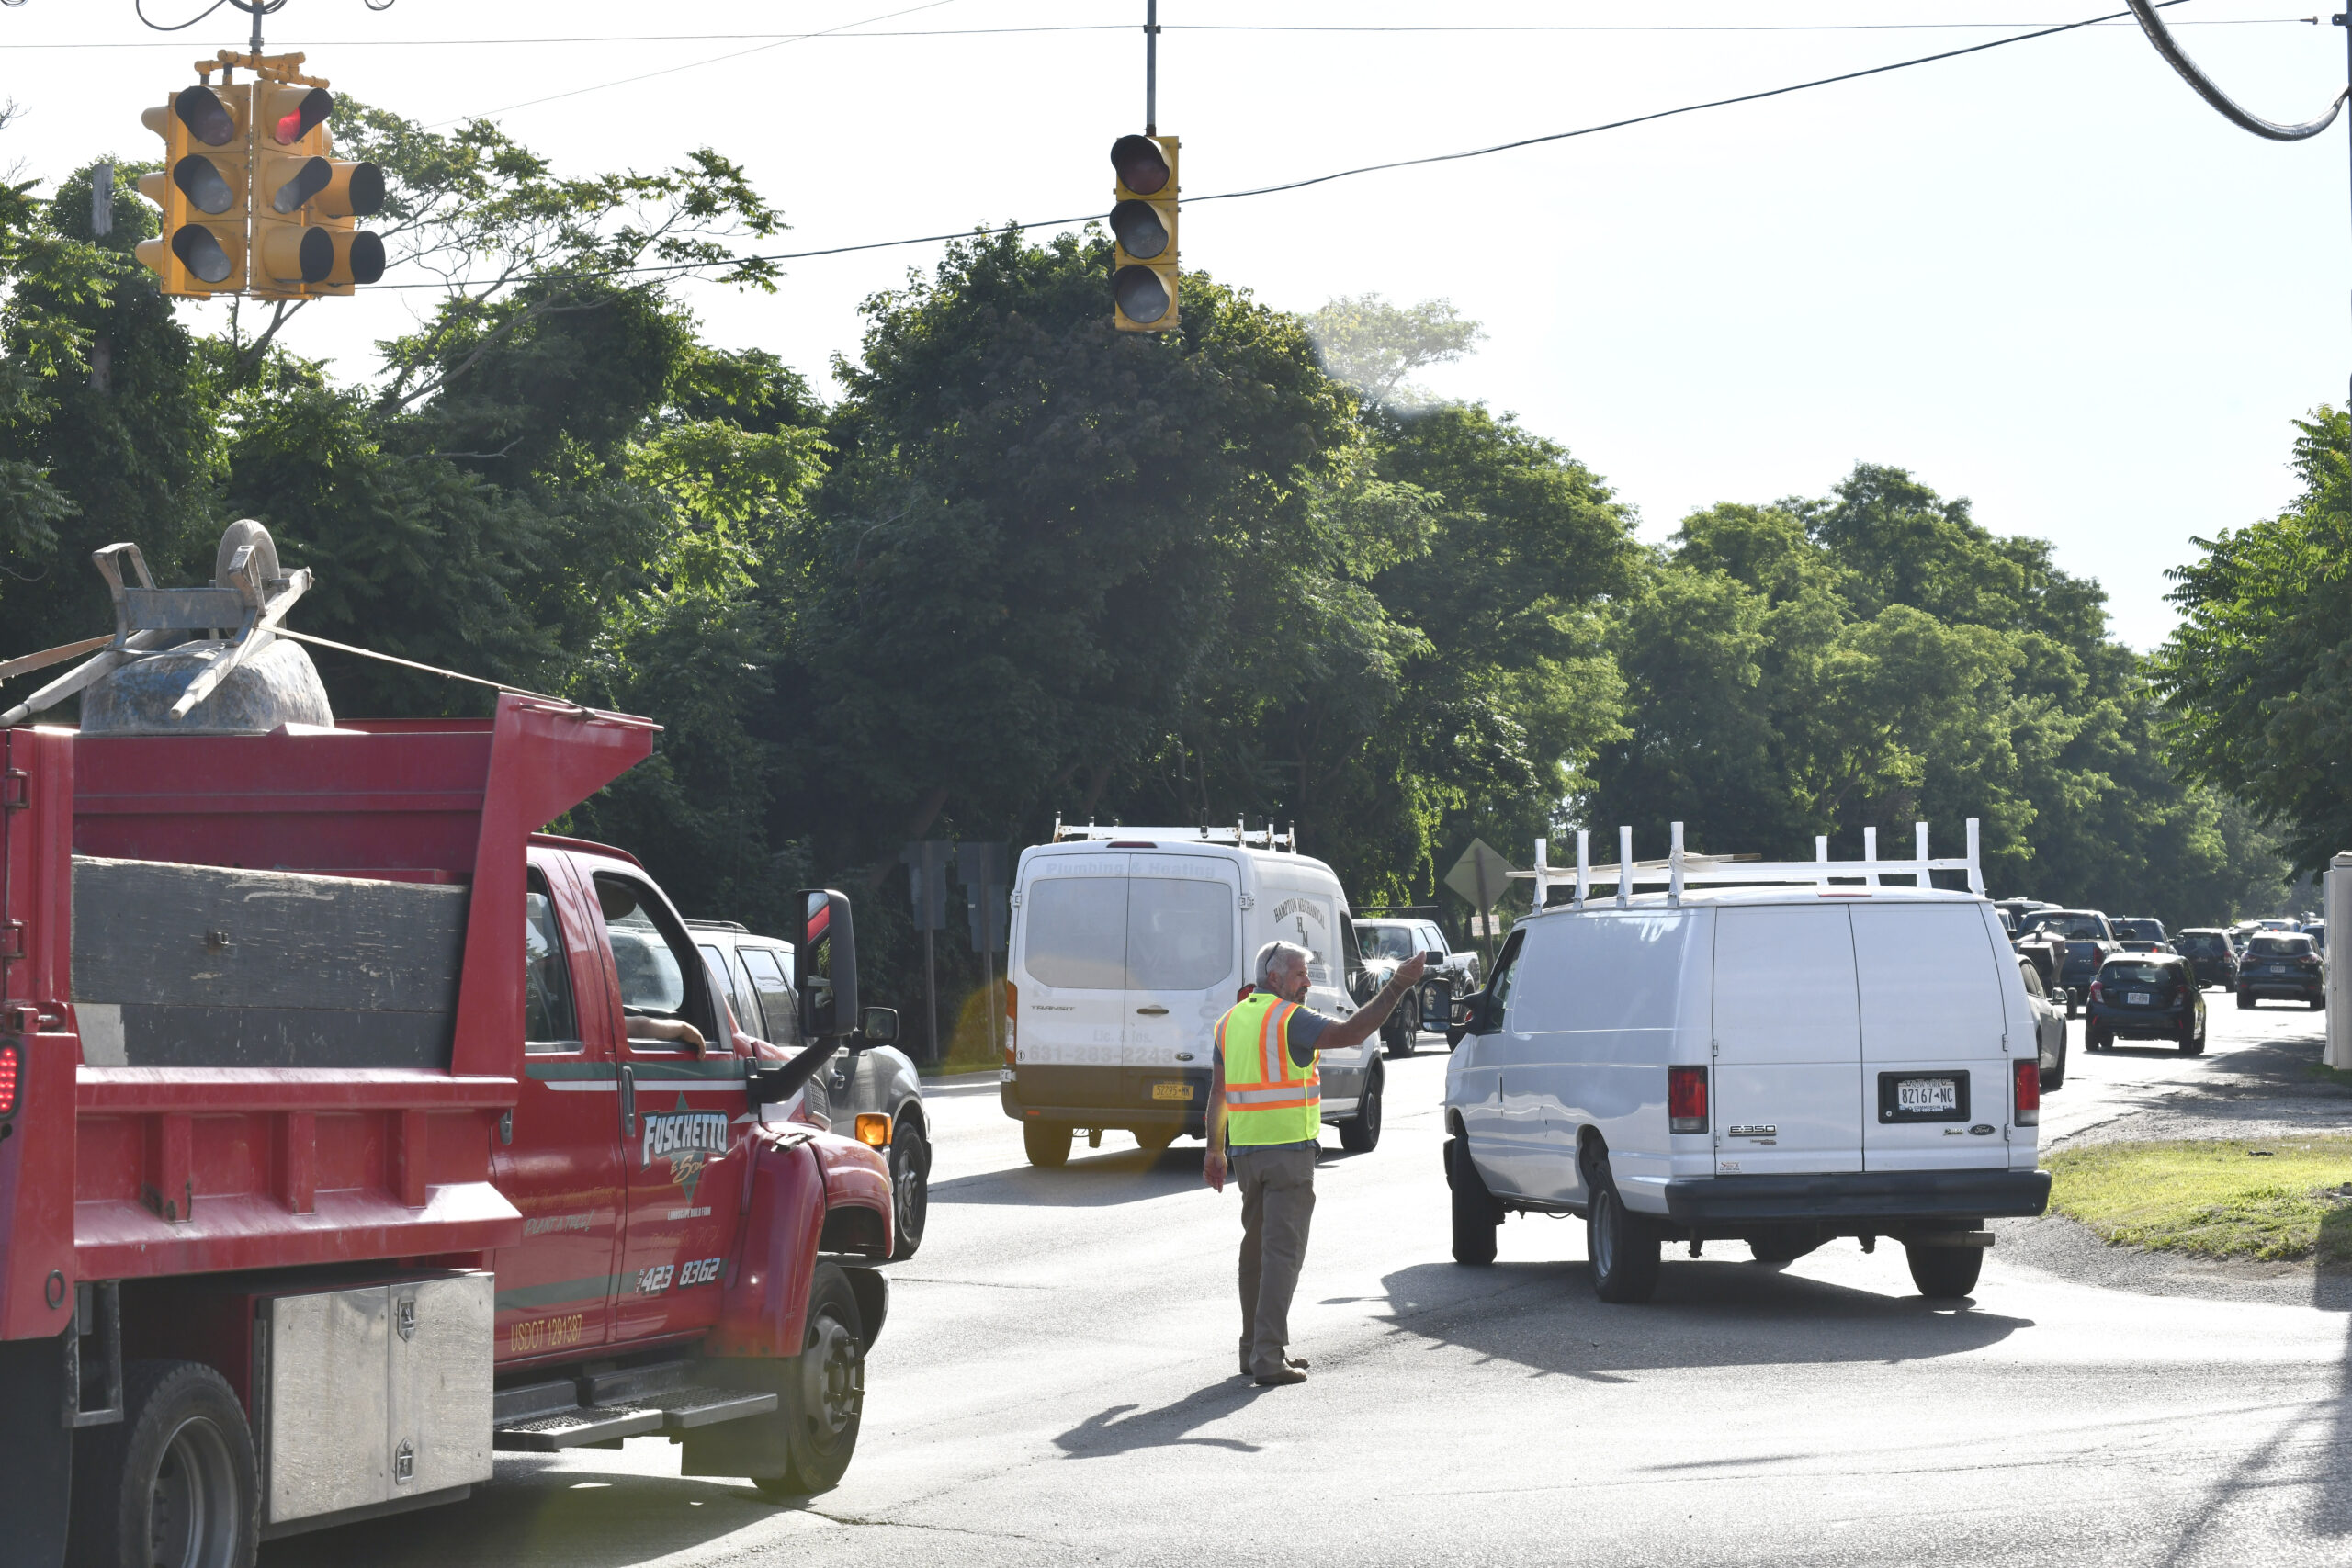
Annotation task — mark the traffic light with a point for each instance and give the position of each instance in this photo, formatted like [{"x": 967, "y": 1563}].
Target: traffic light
[
  {"x": 291, "y": 254},
  {"x": 204, "y": 189},
  {"x": 1143, "y": 234}
]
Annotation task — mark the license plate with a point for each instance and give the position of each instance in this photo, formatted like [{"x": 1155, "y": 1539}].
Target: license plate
[
  {"x": 1927, "y": 1096},
  {"x": 2137, "y": 998},
  {"x": 1172, "y": 1091}
]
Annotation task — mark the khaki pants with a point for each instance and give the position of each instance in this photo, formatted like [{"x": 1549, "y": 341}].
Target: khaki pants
[{"x": 1277, "y": 1202}]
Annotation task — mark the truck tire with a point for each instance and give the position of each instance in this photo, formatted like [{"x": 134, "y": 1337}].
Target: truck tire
[
  {"x": 173, "y": 1482},
  {"x": 1477, "y": 1215},
  {"x": 2246, "y": 1002},
  {"x": 1359, "y": 1133},
  {"x": 1398, "y": 1033},
  {"x": 1624, "y": 1247},
  {"x": 822, "y": 1399},
  {"x": 1046, "y": 1143},
  {"x": 910, "y": 1189},
  {"x": 1944, "y": 1273},
  {"x": 2053, "y": 1077}
]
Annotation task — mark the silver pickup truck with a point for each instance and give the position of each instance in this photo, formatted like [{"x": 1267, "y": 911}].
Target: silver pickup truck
[{"x": 872, "y": 1095}]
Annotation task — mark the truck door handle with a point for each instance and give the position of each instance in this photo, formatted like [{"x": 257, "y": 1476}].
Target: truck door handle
[
  {"x": 629, "y": 1101},
  {"x": 1153, "y": 1012}
]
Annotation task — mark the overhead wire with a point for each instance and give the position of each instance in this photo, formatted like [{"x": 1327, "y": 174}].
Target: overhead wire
[{"x": 983, "y": 231}]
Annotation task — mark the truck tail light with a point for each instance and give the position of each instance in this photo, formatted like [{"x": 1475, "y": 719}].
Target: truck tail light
[
  {"x": 1686, "y": 1100},
  {"x": 872, "y": 1128},
  {"x": 11, "y": 1064},
  {"x": 2028, "y": 1080},
  {"x": 1011, "y": 1000}
]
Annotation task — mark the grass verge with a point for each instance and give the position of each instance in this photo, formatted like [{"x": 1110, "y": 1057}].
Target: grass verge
[{"x": 2282, "y": 1199}]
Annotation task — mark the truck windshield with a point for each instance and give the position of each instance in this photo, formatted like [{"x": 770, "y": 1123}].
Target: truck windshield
[
  {"x": 2072, "y": 928},
  {"x": 1386, "y": 941}
]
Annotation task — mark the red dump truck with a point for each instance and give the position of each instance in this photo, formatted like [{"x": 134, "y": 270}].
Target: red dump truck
[{"x": 352, "y": 1130}]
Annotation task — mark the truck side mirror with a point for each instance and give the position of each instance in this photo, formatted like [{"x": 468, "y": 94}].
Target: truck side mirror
[
  {"x": 826, "y": 945},
  {"x": 879, "y": 1026},
  {"x": 1434, "y": 958}
]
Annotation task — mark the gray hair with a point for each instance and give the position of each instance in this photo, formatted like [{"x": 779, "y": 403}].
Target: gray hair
[{"x": 1272, "y": 957}]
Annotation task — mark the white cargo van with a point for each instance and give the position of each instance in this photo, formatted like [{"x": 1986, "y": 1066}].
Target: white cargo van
[
  {"x": 1815, "y": 1054},
  {"x": 1127, "y": 944}
]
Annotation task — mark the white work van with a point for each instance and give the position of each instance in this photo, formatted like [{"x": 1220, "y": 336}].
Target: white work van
[
  {"x": 1815, "y": 1054},
  {"x": 1127, "y": 944}
]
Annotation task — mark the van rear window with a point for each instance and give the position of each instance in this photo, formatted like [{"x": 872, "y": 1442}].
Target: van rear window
[{"x": 1141, "y": 934}]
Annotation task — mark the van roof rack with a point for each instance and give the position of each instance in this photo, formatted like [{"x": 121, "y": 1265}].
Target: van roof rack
[
  {"x": 1680, "y": 868},
  {"x": 1239, "y": 835}
]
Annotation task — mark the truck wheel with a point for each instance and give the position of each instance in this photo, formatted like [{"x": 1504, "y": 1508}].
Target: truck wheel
[
  {"x": 2246, "y": 1002},
  {"x": 1477, "y": 1215},
  {"x": 1396, "y": 1036},
  {"x": 823, "y": 1396},
  {"x": 173, "y": 1482},
  {"x": 1944, "y": 1273},
  {"x": 1046, "y": 1143},
  {"x": 1624, "y": 1247},
  {"x": 1359, "y": 1133},
  {"x": 910, "y": 1189},
  {"x": 2056, "y": 1074}
]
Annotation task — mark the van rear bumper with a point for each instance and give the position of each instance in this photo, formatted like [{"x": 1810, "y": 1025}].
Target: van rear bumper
[{"x": 1850, "y": 1198}]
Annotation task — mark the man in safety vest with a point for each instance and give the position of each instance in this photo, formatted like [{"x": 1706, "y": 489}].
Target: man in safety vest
[{"x": 1266, "y": 1102}]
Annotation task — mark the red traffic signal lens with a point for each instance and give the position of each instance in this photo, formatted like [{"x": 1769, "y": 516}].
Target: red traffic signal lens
[
  {"x": 200, "y": 251},
  {"x": 1141, "y": 166},
  {"x": 306, "y": 117},
  {"x": 207, "y": 118},
  {"x": 1136, "y": 227},
  {"x": 1142, "y": 298},
  {"x": 200, "y": 180},
  {"x": 309, "y": 181}
]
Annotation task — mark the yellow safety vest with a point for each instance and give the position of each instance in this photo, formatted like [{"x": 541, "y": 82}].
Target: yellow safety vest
[{"x": 1269, "y": 1098}]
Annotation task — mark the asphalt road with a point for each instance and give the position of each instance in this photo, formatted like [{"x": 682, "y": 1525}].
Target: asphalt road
[{"x": 1057, "y": 1385}]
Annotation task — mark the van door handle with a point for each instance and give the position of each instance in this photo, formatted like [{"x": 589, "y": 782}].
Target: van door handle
[
  {"x": 1153, "y": 1012},
  {"x": 629, "y": 1101}
]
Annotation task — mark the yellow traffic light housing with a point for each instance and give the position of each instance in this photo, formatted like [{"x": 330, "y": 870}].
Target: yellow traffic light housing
[
  {"x": 1143, "y": 234},
  {"x": 204, "y": 189},
  {"x": 254, "y": 200}
]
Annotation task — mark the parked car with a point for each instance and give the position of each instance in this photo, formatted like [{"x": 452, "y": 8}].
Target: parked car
[
  {"x": 2146, "y": 997},
  {"x": 2090, "y": 942},
  {"x": 2049, "y": 1024},
  {"x": 2013, "y": 911},
  {"x": 1128, "y": 944},
  {"x": 2317, "y": 931},
  {"x": 2282, "y": 964},
  {"x": 1683, "y": 1066},
  {"x": 2139, "y": 927},
  {"x": 1386, "y": 942},
  {"x": 2212, "y": 953},
  {"x": 871, "y": 1093}
]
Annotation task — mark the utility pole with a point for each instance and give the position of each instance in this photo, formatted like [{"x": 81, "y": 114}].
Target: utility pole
[{"x": 1150, "y": 65}]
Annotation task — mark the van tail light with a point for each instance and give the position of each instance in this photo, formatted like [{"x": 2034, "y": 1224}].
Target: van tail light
[
  {"x": 1011, "y": 1000},
  {"x": 1686, "y": 1100},
  {"x": 2029, "y": 1078},
  {"x": 12, "y": 1063}
]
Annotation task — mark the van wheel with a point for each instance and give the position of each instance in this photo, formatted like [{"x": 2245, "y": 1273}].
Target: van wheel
[
  {"x": 1944, "y": 1273},
  {"x": 174, "y": 1480},
  {"x": 910, "y": 1189},
  {"x": 1784, "y": 1244},
  {"x": 1624, "y": 1249},
  {"x": 1154, "y": 1140},
  {"x": 1046, "y": 1143},
  {"x": 1359, "y": 1133},
  {"x": 1477, "y": 1215},
  {"x": 822, "y": 1400}
]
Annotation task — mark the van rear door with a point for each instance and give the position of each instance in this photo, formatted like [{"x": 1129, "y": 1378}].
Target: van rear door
[
  {"x": 1935, "y": 1054},
  {"x": 1071, "y": 966},
  {"x": 1788, "y": 1049},
  {"x": 1183, "y": 916}
]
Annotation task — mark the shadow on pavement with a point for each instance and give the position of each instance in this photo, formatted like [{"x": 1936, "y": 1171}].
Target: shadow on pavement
[
  {"x": 1092, "y": 1178},
  {"x": 1732, "y": 1314},
  {"x": 534, "y": 1513},
  {"x": 1122, "y": 1428}
]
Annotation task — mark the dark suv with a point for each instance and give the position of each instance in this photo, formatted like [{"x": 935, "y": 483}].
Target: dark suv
[
  {"x": 2213, "y": 954},
  {"x": 2146, "y": 996},
  {"x": 2281, "y": 963},
  {"x": 2090, "y": 942}
]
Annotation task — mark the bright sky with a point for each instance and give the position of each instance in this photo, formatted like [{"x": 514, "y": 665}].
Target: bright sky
[{"x": 2046, "y": 278}]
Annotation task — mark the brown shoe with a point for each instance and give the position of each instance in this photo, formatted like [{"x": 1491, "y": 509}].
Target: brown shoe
[{"x": 1282, "y": 1379}]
